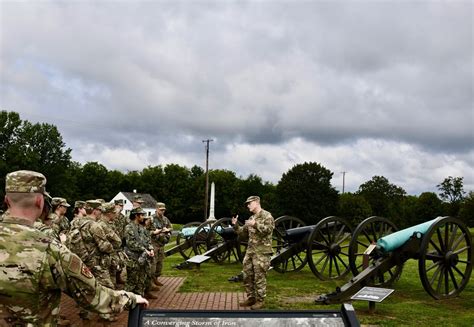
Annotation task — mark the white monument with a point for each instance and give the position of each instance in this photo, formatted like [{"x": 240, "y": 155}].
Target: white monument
[{"x": 212, "y": 205}]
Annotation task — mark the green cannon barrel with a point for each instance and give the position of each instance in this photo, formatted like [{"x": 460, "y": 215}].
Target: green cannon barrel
[{"x": 395, "y": 240}]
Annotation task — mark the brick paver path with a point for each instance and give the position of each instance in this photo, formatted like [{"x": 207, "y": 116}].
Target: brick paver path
[{"x": 168, "y": 298}]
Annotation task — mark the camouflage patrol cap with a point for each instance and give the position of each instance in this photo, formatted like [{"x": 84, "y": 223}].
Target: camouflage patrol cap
[
  {"x": 108, "y": 207},
  {"x": 93, "y": 204},
  {"x": 25, "y": 181},
  {"x": 252, "y": 198},
  {"x": 137, "y": 211},
  {"x": 79, "y": 204},
  {"x": 160, "y": 205},
  {"x": 119, "y": 202},
  {"x": 102, "y": 201},
  {"x": 138, "y": 199},
  {"x": 59, "y": 202}
]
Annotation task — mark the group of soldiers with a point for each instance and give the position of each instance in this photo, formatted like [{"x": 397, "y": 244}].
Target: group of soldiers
[{"x": 119, "y": 252}]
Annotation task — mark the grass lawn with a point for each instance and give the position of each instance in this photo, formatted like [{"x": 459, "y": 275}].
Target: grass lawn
[{"x": 408, "y": 305}]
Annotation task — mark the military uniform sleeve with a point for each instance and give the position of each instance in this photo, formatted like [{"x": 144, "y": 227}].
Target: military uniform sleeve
[
  {"x": 73, "y": 277},
  {"x": 112, "y": 236},
  {"x": 101, "y": 239},
  {"x": 265, "y": 225},
  {"x": 242, "y": 232},
  {"x": 168, "y": 225}
]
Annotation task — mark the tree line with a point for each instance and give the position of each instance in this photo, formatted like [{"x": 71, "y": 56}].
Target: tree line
[{"x": 304, "y": 191}]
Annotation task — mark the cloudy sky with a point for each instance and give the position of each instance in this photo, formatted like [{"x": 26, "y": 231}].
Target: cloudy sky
[{"x": 366, "y": 87}]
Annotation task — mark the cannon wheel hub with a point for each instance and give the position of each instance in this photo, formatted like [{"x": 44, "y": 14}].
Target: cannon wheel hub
[
  {"x": 334, "y": 249},
  {"x": 451, "y": 259}
]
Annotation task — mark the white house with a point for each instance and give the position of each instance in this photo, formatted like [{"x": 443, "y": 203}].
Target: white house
[{"x": 149, "y": 205}]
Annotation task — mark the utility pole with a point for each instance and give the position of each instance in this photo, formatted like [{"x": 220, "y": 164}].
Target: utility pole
[
  {"x": 343, "y": 180},
  {"x": 206, "y": 196}
]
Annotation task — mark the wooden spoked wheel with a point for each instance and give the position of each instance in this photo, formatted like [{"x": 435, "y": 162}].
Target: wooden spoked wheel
[{"x": 445, "y": 263}]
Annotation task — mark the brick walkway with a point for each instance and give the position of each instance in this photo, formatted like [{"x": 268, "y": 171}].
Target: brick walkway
[{"x": 168, "y": 298}]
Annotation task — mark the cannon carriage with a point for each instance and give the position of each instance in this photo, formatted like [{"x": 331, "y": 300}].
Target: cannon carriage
[
  {"x": 184, "y": 241},
  {"x": 443, "y": 248},
  {"x": 214, "y": 239},
  {"x": 323, "y": 246}
]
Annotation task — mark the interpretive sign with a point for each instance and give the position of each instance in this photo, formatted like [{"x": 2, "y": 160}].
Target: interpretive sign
[
  {"x": 374, "y": 294},
  {"x": 191, "y": 318}
]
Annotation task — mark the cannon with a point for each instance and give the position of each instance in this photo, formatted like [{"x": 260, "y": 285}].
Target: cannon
[
  {"x": 323, "y": 246},
  {"x": 443, "y": 248},
  {"x": 184, "y": 241},
  {"x": 222, "y": 244},
  {"x": 210, "y": 239}
]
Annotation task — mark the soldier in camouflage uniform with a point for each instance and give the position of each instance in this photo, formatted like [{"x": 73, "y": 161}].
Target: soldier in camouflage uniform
[
  {"x": 89, "y": 241},
  {"x": 44, "y": 222},
  {"x": 258, "y": 228},
  {"x": 120, "y": 222},
  {"x": 107, "y": 223},
  {"x": 79, "y": 212},
  {"x": 139, "y": 252},
  {"x": 60, "y": 224},
  {"x": 36, "y": 269},
  {"x": 160, "y": 231}
]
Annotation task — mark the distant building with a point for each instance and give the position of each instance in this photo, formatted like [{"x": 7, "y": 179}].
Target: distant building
[{"x": 149, "y": 205}]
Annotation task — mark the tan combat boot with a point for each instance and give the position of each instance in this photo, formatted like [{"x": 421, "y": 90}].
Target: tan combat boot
[
  {"x": 259, "y": 304},
  {"x": 150, "y": 295},
  {"x": 247, "y": 303},
  {"x": 63, "y": 321},
  {"x": 154, "y": 287}
]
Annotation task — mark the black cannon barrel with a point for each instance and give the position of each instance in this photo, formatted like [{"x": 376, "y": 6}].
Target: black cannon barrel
[
  {"x": 298, "y": 234},
  {"x": 227, "y": 233}
]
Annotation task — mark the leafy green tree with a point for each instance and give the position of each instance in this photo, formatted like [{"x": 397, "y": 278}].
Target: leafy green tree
[
  {"x": 452, "y": 193},
  {"x": 196, "y": 197},
  {"x": 38, "y": 147},
  {"x": 153, "y": 181},
  {"x": 176, "y": 190},
  {"x": 305, "y": 191},
  {"x": 466, "y": 212},
  {"x": 10, "y": 125},
  {"x": 354, "y": 208},
  {"x": 409, "y": 211},
  {"x": 384, "y": 198},
  {"x": 428, "y": 207},
  {"x": 226, "y": 195},
  {"x": 133, "y": 181},
  {"x": 116, "y": 182},
  {"x": 254, "y": 185},
  {"x": 93, "y": 182}
]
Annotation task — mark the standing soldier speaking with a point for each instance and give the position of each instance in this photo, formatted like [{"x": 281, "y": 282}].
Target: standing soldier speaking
[
  {"x": 160, "y": 231},
  {"x": 258, "y": 228},
  {"x": 37, "y": 269}
]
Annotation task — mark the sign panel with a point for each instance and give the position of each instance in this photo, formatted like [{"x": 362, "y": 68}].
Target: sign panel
[
  {"x": 374, "y": 294},
  {"x": 190, "y": 318}
]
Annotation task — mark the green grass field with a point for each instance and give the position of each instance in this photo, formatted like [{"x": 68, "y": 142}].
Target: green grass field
[{"x": 408, "y": 305}]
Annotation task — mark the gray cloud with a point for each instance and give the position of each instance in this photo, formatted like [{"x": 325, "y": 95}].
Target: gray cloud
[{"x": 155, "y": 78}]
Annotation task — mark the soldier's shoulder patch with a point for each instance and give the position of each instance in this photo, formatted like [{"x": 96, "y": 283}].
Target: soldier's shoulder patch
[
  {"x": 75, "y": 264},
  {"x": 85, "y": 271}
]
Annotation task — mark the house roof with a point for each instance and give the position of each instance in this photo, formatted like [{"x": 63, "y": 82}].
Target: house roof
[{"x": 150, "y": 202}]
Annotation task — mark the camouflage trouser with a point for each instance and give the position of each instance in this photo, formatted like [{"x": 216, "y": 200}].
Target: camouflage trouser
[
  {"x": 102, "y": 274},
  {"x": 136, "y": 277},
  {"x": 255, "y": 267},
  {"x": 157, "y": 264}
]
